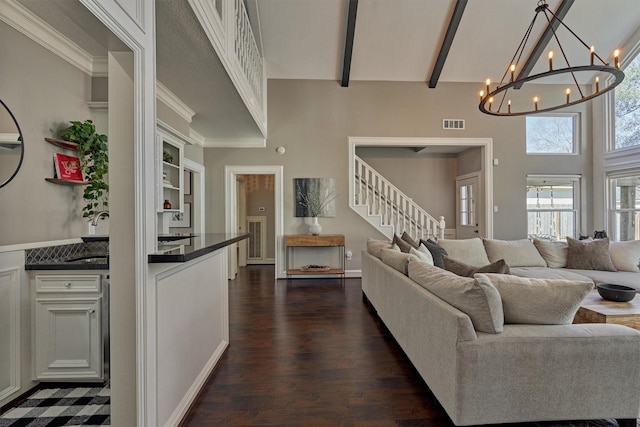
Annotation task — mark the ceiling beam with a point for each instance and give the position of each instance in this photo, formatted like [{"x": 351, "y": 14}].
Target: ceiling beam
[
  {"x": 446, "y": 43},
  {"x": 544, "y": 40},
  {"x": 348, "y": 43}
]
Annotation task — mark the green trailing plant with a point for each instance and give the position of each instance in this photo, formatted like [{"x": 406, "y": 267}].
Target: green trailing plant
[{"x": 94, "y": 159}]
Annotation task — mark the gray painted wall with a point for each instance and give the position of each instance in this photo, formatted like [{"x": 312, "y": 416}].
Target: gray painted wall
[
  {"x": 313, "y": 120},
  {"x": 44, "y": 93}
]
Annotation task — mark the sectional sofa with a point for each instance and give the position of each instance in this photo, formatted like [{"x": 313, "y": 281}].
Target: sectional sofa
[{"x": 500, "y": 348}]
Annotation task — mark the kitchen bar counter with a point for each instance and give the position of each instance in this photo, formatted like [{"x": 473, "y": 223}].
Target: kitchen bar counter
[{"x": 177, "y": 248}]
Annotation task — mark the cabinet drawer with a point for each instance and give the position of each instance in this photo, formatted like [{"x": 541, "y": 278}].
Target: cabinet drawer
[{"x": 71, "y": 283}]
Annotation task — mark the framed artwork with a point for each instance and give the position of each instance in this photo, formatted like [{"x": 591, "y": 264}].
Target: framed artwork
[
  {"x": 315, "y": 197},
  {"x": 181, "y": 219},
  {"x": 187, "y": 183}
]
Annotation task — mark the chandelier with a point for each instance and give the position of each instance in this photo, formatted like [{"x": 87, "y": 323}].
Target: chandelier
[{"x": 497, "y": 101}]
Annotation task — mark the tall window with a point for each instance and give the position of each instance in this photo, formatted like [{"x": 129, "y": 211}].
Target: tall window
[
  {"x": 552, "y": 206},
  {"x": 552, "y": 134},
  {"x": 627, "y": 107},
  {"x": 624, "y": 212}
]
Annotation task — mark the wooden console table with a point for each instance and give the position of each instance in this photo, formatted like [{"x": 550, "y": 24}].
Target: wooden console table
[{"x": 292, "y": 241}]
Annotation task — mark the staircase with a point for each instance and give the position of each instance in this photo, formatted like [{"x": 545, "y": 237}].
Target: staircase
[{"x": 387, "y": 208}]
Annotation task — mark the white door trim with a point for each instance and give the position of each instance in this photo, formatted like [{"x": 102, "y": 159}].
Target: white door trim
[
  {"x": 487, "y": 163},
  {"x": 231, "y": 200}
]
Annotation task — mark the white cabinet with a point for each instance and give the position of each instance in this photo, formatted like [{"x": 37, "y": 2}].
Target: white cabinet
[
  {"x": 171, "y": 167},
  {"x": 68, "y": 327}
]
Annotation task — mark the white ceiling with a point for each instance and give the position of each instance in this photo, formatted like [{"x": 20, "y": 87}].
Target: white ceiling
[{"x": 399, "y": 40}]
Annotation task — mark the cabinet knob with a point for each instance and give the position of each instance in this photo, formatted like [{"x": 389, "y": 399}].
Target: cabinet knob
[
  {"x": 67, "y": 285},
  {"x": 91, "y": 311}
]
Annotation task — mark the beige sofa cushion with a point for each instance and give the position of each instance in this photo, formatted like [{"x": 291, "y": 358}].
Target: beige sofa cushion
[
  {"x": 481, "y": 302},
  {"x": 374, "y": 246},
  {"x": 537, "y": 301},
  {"x": 554, "y": 253},
  {"x": 550, "y": 273},
  {"x": 516, "y": 253},
  {"x": 625, "y": 255},
  {"x": 469, "y": 251},
  {"x": 395, "y": 259},
  {"x": 589, "y": 254}
]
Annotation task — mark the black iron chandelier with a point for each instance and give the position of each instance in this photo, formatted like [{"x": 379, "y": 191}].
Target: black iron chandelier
[{"x": 497, "y": 101}]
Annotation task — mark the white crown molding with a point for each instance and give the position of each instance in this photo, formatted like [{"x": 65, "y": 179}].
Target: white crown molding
[
  {"x": 235, "y": 143},
  {"x": 100, "y": 66},
  {"x": 196, "y": 138},
  {"x": 173, "y": 132},
  {"x": 20, "y": 18},
  {"x": 98, "y": 105},
  {"x": 172, "y": 101}
]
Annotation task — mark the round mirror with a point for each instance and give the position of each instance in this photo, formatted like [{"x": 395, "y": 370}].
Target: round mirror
[{"x": 11, "y": 145}]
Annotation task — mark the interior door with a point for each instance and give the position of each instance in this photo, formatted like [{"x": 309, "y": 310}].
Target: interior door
[{"x": 469, "y": 221}]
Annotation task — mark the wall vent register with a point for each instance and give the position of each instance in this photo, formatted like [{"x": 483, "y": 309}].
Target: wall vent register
[{"x": 457, "y": 124}]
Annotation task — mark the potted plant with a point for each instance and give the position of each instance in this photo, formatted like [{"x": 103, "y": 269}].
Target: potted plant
[{"x": 94, "y": 159}]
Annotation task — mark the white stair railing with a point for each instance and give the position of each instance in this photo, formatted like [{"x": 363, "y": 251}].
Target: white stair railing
[{"x": 397, "y": 212}]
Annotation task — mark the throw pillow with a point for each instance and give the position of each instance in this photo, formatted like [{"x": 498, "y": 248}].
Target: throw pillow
[
  {"x": 469, "y": 251},
  {"x": 554, "y": 253},
  {"x": 422, "y": 254},
  {"x": 466, "y": 270},
  {"x": 405, "y": 236},
  {"x": 374, "y": 246},
  {"x": 625, "y": 255},
  {"x": 480, "y": 301},
  {"x": 395, "y": 259},
  {"x": 404, "y": 246},
  {"x": 537, "y": 301},
  {"x": 589, "y": 255},
  {"x": 436, "y": 252},
  {"x": 517, "y": 253}
]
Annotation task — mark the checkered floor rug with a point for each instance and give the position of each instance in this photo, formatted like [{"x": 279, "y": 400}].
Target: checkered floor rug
[{"x": 61, "y": 407}]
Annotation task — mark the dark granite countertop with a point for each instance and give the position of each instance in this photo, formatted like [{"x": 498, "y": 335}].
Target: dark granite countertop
[
  {"x": 84, "y": 263},
  {"x": 182, "y": 248}
]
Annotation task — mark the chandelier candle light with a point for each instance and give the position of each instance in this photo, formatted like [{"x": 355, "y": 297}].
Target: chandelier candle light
[{"x": 502, "y": 92}]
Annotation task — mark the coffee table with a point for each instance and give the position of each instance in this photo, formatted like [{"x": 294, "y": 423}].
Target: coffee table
[{"x": 595, "y": 309}]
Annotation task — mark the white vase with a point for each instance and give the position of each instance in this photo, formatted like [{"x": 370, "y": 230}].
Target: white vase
[{"x": 315, "y": 228}]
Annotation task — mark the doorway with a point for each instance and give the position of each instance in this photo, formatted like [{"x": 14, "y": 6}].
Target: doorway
[
  {"x": 233, "y": 205},
  {"x": 469, "y": 213}
]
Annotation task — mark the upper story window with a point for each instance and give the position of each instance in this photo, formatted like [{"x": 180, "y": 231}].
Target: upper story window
[
  {"x": 624, "y": 205},
  {"x": 627, "y": 107},
  {"x": 552, "y": 134},
  {"x": 552, "y": 206}
]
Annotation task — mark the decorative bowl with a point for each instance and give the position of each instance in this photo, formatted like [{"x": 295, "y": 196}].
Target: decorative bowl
[{"x": 617, "y": 293}]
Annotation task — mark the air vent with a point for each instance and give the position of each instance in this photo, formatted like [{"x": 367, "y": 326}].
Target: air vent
[{"x": 457, "y": 124}]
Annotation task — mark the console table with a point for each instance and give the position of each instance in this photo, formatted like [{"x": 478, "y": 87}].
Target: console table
[{"x": 292, "y": 241}]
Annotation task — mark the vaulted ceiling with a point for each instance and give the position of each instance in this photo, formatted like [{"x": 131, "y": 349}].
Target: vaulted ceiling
[{"x": 399, "y": 40}]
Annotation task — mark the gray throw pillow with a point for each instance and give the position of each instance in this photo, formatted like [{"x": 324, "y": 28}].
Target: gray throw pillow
[
  {"x": 480, "y": 301},
  {"x": 466, "y": 270},
  {"x": 404, "y": 246},
  {"x": 436, "y": 252},
  {"x": 405, "y": 236},
  {"x": 537, "y": 301},
  {"x": 589, "y": 255}
]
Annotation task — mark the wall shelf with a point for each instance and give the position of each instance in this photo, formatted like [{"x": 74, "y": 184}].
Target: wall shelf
[
  {"x": 65, "y": 181},
  {"x": 67, "y": 145}
]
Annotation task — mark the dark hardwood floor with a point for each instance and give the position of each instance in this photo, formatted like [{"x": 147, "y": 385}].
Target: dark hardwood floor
[{"x": 311, "y": 353}]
